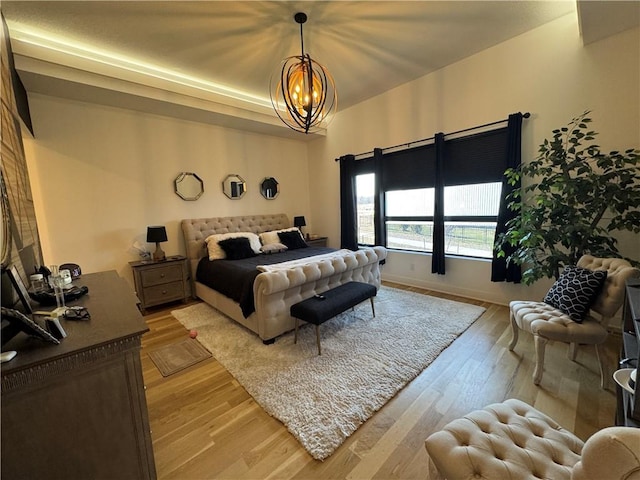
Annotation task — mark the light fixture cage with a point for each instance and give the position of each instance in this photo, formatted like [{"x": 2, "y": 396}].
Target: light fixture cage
[{"x": 304, "y": 93}]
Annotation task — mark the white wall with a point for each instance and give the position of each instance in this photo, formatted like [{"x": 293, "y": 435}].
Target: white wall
[
  {"x": 546, "y": 71},
  {"x": 101, "y": 175}
]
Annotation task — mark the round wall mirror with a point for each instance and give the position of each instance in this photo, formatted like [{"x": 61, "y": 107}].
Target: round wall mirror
[
  {"x": 269, "y": 188},
  {"x": 189, "y": 186},
  {"x": 234, "y": 186}
]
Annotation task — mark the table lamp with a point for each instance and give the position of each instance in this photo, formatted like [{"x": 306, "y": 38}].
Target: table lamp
[
  {"x": 299, "y": 222},
  {"x": 156, "y": 235}
]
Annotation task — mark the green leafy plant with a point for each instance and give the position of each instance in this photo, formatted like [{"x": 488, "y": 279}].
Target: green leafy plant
[{"x": 573, "y": 196}]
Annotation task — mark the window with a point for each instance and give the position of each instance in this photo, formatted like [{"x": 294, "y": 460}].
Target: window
[
  {"x": 409, "y": 219},
  {"x": 365, "y": 188},
  {"x": 471, "y": 179},
  {"x": 470, "y": 216},
  {"x": 443, "y": 195}
]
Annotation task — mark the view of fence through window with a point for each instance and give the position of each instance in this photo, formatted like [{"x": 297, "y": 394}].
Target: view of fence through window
[{"x": 465, "y": 236}]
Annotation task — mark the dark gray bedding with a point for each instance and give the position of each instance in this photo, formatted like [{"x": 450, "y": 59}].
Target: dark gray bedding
[{"x": 234, "y": 278}]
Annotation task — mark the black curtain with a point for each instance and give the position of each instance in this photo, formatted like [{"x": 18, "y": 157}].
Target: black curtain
[
  {"x": 348, "y": 220},
  {"x": 379, "y": 209},
  {"x": 437, "y": 261},
  {"x": 500, "y": 271}
]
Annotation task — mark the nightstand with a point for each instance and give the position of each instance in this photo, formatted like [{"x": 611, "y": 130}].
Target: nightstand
[
  {"x": 162, "y": 282},
  {"x": 317, "y": 242}
]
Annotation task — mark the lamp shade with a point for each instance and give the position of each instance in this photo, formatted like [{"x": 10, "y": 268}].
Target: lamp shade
[
  {"x": 156, "y": 234},
  {"x": 299, "y": 222}
]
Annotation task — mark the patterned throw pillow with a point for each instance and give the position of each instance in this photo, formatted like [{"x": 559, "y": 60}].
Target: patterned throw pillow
[{"x": 575, "y": 291}]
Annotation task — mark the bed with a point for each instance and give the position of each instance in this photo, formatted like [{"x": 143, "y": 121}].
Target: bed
[{"x": 275, "y": 290}]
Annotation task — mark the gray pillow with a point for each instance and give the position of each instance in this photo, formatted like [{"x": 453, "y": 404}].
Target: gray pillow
[{"x": 273, "y": 248}]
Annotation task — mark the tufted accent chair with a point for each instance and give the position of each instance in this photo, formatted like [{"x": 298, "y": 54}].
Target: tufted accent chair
[
  {"x": 548, "y": 323},
  {"x": 512, "y": 440}
]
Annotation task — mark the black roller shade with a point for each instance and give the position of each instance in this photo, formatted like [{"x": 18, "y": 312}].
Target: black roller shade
[
  {"x": 410, "y": 168},
  {"x": 479, "y": 158}
]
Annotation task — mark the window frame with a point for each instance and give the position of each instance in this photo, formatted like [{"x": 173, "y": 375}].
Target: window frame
[{"x": 426, "y": 155}]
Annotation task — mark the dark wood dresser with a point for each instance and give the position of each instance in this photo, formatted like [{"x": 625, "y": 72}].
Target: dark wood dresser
[
  {"x": 628, "y": 404},
  {"x": 78, "y": 409}
]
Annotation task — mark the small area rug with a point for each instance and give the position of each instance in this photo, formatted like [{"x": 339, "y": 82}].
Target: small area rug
[
  {"x": 178, "y": 356},
  {"x": 365, "y": 361}
]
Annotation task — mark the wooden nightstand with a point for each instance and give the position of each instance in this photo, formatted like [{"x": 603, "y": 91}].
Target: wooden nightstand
[
  {"x": 158, "y": 283},
  {"x": 317, "y": 242}
]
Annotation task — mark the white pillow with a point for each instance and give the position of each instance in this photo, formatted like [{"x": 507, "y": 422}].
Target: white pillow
[
  {"x": 217, "y": 253},
  {"x": 272, "y": 237}
]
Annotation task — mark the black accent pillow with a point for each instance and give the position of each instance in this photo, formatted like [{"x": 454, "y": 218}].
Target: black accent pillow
[
  {"x": 237, "y": 248},
  {"x": 292, "y": 240},
  {"x": 575, "y": 291}
]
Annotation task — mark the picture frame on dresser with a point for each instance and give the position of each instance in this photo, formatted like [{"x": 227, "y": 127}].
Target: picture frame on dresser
[{"x": 20, "y": 288}]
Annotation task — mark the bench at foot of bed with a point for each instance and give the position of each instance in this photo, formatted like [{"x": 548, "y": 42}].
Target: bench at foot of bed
[{"x": 320, "y": 308}]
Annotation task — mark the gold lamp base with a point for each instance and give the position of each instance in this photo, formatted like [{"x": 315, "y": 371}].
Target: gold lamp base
[{"x": 158, "y": 255}]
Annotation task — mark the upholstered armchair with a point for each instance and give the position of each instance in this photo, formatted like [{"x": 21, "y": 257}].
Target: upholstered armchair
[
  {"x": 512, "y": 440},
  {"x": 546, "y": 322}
]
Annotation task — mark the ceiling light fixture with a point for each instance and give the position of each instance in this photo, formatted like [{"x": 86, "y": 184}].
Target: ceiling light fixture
[{"x": 305, "y": 95}]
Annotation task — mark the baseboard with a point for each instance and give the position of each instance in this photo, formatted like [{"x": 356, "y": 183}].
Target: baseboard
[{"x": 438, "y": 287}]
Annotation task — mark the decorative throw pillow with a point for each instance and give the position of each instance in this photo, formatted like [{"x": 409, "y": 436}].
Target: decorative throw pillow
[
  {"x": 272, "y": 237},
  {"x": 217, "y": 253},
  {"x": 273, "y": 248},
  {"x": 292, "y": 240},
  {"x": 237, "y": 248},
  {"x": 575, "y": 291}
]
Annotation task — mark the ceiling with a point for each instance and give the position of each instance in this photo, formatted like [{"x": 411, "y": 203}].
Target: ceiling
[{"x": 212, "y": 60}]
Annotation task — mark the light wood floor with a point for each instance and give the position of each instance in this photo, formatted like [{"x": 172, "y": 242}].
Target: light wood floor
[{"x": 205, "y": 425}]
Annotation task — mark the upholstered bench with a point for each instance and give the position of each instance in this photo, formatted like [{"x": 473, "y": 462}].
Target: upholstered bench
[
  {"x": 513, "y": 440},
  {"x": 322, "y": 307}
]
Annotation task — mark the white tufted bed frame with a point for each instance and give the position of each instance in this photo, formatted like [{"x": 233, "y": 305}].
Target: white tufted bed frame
[{"x": 274, "y": 292}]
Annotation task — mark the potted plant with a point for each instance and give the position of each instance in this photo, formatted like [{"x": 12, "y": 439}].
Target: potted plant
[{"x": 572, "y": 197}]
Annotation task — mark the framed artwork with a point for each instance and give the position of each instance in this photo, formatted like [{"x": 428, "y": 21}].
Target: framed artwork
[{"x": 21, "y": 289}]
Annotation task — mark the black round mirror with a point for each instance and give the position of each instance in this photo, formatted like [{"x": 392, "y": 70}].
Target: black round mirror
[{"x": 269, "y": 188}]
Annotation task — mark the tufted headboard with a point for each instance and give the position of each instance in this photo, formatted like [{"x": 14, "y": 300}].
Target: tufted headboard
[{"x": 195, "y": 230}]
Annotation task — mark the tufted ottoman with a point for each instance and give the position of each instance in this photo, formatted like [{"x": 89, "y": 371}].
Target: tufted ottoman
[{"x": 509, "y": 440}]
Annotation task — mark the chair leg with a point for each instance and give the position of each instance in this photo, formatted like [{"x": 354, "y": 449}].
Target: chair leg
[
  {"x": 318, "y": 339},
  {"x": 573, "y": 350},
  {"x": 514, "y": 330},
  {"x": 373, "y": 309},
  {"x": 540, "y": 344},
  {"x": 295, "y": 336},
  {"x": 602, "y": 367}
]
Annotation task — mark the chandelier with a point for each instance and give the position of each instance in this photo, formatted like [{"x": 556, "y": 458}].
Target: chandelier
[{"x": 304, "y": 96}]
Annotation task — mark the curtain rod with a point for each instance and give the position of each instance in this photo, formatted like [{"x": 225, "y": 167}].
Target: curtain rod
[{"x": 407, "y": 145}]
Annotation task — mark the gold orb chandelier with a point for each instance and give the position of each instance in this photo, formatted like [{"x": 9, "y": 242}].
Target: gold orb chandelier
[{"x": 304, "y": 93}]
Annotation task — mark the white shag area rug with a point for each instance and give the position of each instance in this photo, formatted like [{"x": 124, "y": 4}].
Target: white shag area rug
[{"x": 365, "y": 361}]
